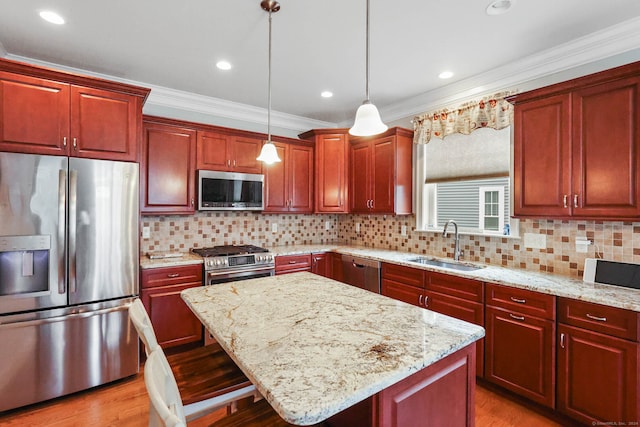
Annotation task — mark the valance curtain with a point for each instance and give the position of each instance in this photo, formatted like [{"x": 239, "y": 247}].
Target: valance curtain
[{"x": 489, "y": 112}]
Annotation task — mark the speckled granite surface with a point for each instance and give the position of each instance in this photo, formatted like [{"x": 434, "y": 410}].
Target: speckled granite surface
[
  {"x": 187, "y": 258},
  {"x": 614, "y": 296},
  {"x": 314, "y": 346}
]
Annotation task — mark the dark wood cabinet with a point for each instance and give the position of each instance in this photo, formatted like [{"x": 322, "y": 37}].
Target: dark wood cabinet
[
  {"x": 562, "y": 167},
  {"x": 598, "y": 357},
  {"x": 167, "y": 169},
  {"x": 331, "y": 169},
  {"x": 520, "y": 342},
  {"x": 224, "y": 152},
  {"x": 380, "y": 173},
  {"x": 289, "y": 183},
  {"x": 173, "y": 321},
  {"x": 293, "y": 263},
  {"x": 44, "y": 112},
  {"x": 336, "y": 266},
  {"x": 321, "y": 264}
]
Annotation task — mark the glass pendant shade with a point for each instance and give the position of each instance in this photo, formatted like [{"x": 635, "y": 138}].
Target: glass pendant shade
[
  {"x": 368, "y": 121},
  {"x": 269, "y": 154}
]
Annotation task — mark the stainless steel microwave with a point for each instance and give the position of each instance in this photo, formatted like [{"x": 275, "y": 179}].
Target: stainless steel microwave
[{"x": 223, "y": 191}]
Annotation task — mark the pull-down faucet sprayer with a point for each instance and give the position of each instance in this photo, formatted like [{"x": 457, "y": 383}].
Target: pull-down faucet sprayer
[{"x": 456, "y": 250}]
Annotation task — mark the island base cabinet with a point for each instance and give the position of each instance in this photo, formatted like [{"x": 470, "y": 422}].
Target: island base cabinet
[
  {"x": 597, "y": 377},
  {"x": 439, "y": 395}
]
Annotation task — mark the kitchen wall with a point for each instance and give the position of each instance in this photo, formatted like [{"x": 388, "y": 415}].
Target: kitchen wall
[{"x": 617, "y": 241}]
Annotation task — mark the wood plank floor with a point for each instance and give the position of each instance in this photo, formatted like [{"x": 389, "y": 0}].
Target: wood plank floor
[{"x": 125, "y": 403}]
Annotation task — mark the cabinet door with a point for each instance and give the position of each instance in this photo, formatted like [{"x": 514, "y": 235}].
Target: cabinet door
[
  {"x": 331, "y": 188},
  {"x": 245, "y": 151},
  {"x": 383, "y": 175},
  {"x": 542, "y": 141},
  {"x": 519, "y": 354},
  {"x": 597, "y": 376},
  {"x": 34, "y": 115},
  {"x": 402, "y": 292},
  {"x": 336, "y": 267},
  {"x": 167, "y": 173},
  {"x": 606, "y": 139},
  {"x": 360, "y": 178},
  {"x": 104, "y": 124},
  {"x": 173, "y": 322},
  {"x": 321, "y": 264},
  {"x": 300, "y": 170},
  {"x": 276, "y": 185},
  {"x": 213, "y": 151}
]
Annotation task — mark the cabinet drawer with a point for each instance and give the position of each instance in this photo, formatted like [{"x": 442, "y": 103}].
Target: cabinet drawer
[
  {"x": 460, "y": 287},
  {"x": 612, "y": 321},
  {"x": 164, "y": 276},
  {"x": 291, "y": 263},
  {"x": 402, "y": 274},
  {"x": 521, "y": 300}
]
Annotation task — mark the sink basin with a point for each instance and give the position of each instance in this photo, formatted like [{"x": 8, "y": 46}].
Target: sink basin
[{"x": 454, "y": 265}]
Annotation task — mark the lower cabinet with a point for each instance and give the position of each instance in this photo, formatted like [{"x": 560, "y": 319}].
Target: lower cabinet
[
  {"x": 293, "y": 263},
  {"x": 520, "y": 347},
  {"x": 598, "y": 361},
  {"x": 321, "y": 264},
  {"x": 173, "y": 322}
]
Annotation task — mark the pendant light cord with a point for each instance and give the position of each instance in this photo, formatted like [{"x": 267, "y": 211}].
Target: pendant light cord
[
  {"x": 367, "y": 79},
  {"x": 269, "y": 103}
]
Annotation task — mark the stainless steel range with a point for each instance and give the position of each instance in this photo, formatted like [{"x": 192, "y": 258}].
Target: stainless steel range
[{"x": 232, "y": 263}]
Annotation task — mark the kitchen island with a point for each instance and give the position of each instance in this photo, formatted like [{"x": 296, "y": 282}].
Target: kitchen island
[{"x": 315, "y": 347}]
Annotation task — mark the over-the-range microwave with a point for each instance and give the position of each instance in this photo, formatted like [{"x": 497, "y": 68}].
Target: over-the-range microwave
[{"x": 223, "y": 191}]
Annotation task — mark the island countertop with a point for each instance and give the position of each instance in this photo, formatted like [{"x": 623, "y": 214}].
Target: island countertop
[{"x": 313, "y": 346}]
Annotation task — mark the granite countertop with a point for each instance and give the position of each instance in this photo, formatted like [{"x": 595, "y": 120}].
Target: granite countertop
[
  {"x": 313, "y": 346},
  {"x": 614, "y": 296},
  {"x": 184, "y": 258}
]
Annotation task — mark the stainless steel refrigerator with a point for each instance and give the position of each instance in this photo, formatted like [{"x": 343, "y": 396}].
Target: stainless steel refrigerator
[{"x": 68, "y": 273}]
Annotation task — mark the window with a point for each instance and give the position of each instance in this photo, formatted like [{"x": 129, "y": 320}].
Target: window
[{"x": 466, "y": 178}]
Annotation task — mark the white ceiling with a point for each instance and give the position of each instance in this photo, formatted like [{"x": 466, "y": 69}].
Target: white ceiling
[{"x": 317, "y": 45}]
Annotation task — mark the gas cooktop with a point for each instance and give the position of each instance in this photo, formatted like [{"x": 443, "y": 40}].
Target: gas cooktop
[{"x": 228, "y": 250}]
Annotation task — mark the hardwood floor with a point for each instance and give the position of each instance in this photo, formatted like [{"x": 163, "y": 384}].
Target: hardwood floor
[{"x": 125, "y": 403}]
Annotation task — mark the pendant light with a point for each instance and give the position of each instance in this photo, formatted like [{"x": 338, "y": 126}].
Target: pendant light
[
  {"x": 269, "y": 154},
  {"x": 368, "y": 120}
]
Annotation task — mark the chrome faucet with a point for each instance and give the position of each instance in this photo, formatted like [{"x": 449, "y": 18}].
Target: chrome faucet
[{"x": 456, "y": 250}]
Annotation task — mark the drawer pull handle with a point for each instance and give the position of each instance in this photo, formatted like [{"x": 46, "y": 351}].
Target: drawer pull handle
[
  {"x": 173, "y": 275},
  {"x": 564, "y": 201},
  {"x": 420, "y": 300},
  {"x": 426, "y": 301},
  {"x": 513, "y": 316},
  {"x": 518, "y": 300},
  {"x": 562, "y": 340},
  {"x": 292, "y": 262},
  {"x": 599, "y": 319}
]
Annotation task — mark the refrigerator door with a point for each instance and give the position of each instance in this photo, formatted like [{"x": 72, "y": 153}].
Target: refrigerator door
[
  {"x": 103, "y": 230},
  {"x": 33, "y": 193}
]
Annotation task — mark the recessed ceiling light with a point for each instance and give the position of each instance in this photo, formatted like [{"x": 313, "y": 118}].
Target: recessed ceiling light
[
  {"x": 223, "y": 65},
  {"x": 52, "y": 17},
  {"x": 445, "y": 75},
  {"x": 498, "y": 7},
  {"x": 326, "y": 94}
]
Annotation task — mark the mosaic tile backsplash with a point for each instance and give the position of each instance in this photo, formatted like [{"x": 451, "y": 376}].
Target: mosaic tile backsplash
[{"x": 616, "y": 241}]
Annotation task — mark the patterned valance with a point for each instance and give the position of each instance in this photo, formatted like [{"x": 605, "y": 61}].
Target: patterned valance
[{"x": 488, "y": 112}]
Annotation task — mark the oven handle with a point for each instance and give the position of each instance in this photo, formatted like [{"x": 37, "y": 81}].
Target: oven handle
[{"x": 232, "y": 272}]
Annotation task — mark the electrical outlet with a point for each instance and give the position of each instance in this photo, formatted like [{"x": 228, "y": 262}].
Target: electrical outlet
[
  {"x": 327, "y": 225},
  {"x": 357, "y": 227},
  {"x": 535, "y": 241},
  {"x": 403, "y": 230},
  {"x": 146, "y": 232},
  {"x": 274, "y": 227}
]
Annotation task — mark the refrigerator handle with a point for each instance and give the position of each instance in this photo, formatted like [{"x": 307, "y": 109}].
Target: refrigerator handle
[
  {"x": 62, "y": 221},
  {"x": 73, "y": 205}
]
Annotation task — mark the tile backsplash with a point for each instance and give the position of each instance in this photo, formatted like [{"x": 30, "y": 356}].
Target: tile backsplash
[{"x": 617, "y": 241}]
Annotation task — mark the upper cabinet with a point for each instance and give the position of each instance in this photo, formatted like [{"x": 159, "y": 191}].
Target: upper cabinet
[
  {"x": 576, "y": 148},
  {"x": 331, "y": 169},
  {"x": 289, "y": 183},
  {"x": 167, "y": 167},
  {"x": 48, "y": 112},
  {"x": 224, "y": 152},
  {"x": 380, "y": 173}
]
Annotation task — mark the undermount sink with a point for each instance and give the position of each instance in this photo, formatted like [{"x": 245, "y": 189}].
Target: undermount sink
[{"x": 454, "y": 265}]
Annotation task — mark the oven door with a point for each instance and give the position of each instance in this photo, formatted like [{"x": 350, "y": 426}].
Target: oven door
[{"x": 215, "y": 277}]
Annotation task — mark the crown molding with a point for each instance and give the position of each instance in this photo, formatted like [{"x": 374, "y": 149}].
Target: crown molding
[
  {"x": 171, "y": 98},
  {"x": 606, "y": 43}
]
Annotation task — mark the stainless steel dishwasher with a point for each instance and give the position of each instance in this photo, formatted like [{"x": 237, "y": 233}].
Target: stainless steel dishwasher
[{"x": 362, "y": 273}]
